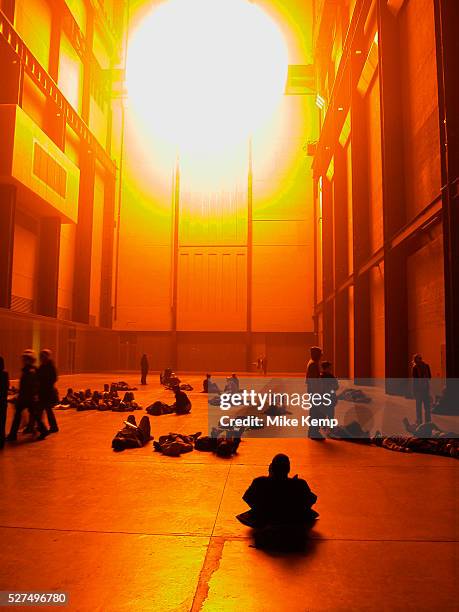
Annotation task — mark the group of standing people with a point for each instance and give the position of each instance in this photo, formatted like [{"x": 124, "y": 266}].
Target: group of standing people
[
  {"x": 320, "y": 380},
  {"x": 37, "y": 393}
]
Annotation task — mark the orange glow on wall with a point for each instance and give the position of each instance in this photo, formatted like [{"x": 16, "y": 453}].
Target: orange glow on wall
[{"x": 213, "y": 99}]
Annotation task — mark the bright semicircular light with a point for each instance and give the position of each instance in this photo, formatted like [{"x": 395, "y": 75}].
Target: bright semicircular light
[{"x": 204, "y": 74}]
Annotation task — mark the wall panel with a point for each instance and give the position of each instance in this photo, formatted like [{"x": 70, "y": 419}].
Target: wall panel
[
  {"x": 351, "y": 331},
  {"x": 283, "y": 288},
  {"x": 145, "y": 300},
  {"x": 373, "y": 131},
  {"x": 24, "y": 262},
  {"x": 426, "y": 302},
  {"x": 70, "y": 79},
  {"x": 213, "y": 217},
  {"x": 212, "y": 289},
  {"x": 66, "y": 265},
  {"x": 419, "y": 105},
  {"x": 32, "y": 19},
  {"x": 96, "y": 250},
  {"x": 377, "y": 321}
]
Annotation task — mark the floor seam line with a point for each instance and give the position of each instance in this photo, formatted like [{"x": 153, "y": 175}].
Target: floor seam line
[
  {"x": 204, "y": 566},
  {"x": 225, "y": 537}
]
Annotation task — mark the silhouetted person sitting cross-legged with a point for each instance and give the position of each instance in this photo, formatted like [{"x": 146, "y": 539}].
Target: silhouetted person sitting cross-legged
[
  {"x": 208, "y": 385},
  {"x": 182, "y": 403},
  {"x": 278, "y": 499},
  {"x": 281, "y": 507}
]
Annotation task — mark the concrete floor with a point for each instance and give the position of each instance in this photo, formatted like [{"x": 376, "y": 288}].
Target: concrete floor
[{"x": 139, "y": 531}]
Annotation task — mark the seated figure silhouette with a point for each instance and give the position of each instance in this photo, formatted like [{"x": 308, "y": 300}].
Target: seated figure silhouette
[{"x": 280, "y": 507}]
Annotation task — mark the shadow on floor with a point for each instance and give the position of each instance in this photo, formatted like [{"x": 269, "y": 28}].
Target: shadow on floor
[{"x": 286, "y": 543}]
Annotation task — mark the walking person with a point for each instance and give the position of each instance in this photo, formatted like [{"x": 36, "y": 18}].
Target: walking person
[
  {"x": 313, "y": 384},
  {"x": 27, "y": 397},
  {"x": 144, "y": 367},
  {"x": 4, "y": 386},
  {"x": 47, "y": 392},
  {"x": 421, "y": 387}
]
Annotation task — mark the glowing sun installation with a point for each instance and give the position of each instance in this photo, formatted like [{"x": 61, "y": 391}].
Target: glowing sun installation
[{"x": 203, "y": 74}]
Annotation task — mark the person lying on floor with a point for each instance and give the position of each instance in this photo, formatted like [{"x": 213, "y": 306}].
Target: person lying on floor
[
  {"x": 132, "y": 435},
  {"x": 277, "y": 499},
  {"x": 182, "y": 405},
  {"x": 427, "y": 430},
  {"x": 425, "y": 438},
  {"x": 223, "y": 443},
  {"x": 351, "y": 431},
  {"x": 121, "y": 386},
  {"x": 175, "y": 444},
  {"x": 159, "y": 408}
]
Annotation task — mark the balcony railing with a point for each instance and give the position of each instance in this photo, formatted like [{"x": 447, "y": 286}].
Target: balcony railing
[{"x": 47, "y": 85}]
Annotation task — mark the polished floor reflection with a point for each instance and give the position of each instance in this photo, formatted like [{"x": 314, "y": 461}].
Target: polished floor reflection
[{"x": 141, "y": 531}]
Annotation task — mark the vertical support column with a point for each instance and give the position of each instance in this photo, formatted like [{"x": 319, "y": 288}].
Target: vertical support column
[
  {"x": 48, "y": 266},
  {"x": 340, "y": 216},
  {"x": 248, "y": 356},
  {"x": 12, "y": 76},
  {"x": 7, "y": 215},
  {"x": 175, "y": 264},
  {"x": 55, "y": 120},
  {"x": 86, "y": 93},
  {"x": 83, "y": 243},
  {"x": 341, "y": 322},
  {"x": 8, "y": 7},
  {"x": 328, "y": 282},
  {"x": 362, "y": 333},
  {"x": 447, "y": 46},
  {"x": 55, "y": 41},
  {"x": 106, "y": 281},
  {"x": 341, "y": 354},
  {"x": 395, "y": 298}
]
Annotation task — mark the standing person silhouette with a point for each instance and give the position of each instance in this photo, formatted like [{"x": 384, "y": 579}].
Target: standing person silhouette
[
  {"x": 47, "y": 392},
  {"x": 144, "y": 367},
  {"x": 421, "y": 387},
  {"x": 264, "y": 365},
  {"x": 4, "y": 386},
  {"x": 27, "y": 397},
  {"x": 313, "y": 384}
]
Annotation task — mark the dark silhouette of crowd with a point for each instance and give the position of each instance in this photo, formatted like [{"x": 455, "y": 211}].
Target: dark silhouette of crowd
[
  {"x": 320, "y": 380},
  {"x": 37, "y": 394}
]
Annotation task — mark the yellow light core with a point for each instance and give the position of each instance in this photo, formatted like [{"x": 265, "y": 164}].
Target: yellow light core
[{"x": 204, "y": 74}]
